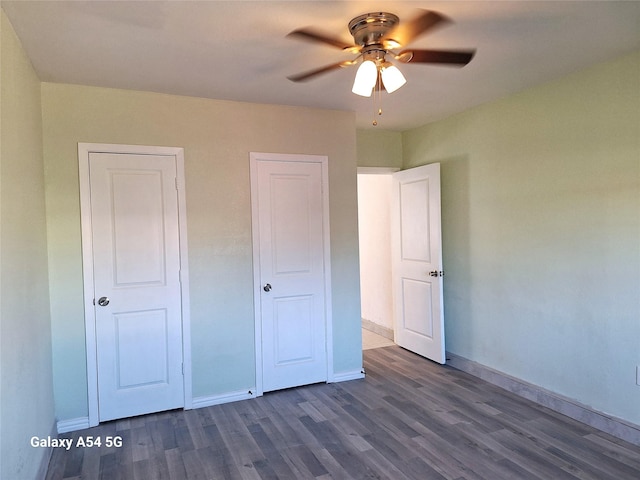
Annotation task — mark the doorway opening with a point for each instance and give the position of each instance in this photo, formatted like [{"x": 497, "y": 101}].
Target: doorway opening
[
  {"x": 413, "y": 290},
  {"x": 374, "y": 226}
]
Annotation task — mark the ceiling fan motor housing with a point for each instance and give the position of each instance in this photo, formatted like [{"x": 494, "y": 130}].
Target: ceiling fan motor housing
[{"x": 367, "y": 29}]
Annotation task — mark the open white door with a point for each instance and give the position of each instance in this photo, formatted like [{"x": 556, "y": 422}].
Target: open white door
[{"x": 417, "y": 261}]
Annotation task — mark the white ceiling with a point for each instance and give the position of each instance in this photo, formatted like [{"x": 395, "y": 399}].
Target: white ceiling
[{"x": 237, "y": 50}]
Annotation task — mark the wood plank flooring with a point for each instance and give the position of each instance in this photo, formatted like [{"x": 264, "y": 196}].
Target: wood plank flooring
[{"x": 409, "y": 419}]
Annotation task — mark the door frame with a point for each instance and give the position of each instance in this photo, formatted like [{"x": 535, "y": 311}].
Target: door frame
[
  {"x": 84, "y": 150},
  {"x": 323, "y": 160}
]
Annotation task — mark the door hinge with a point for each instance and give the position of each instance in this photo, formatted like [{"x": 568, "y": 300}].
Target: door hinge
[
  {"x": 183, "y": 369},
  {"x": 176, "y": 181}
]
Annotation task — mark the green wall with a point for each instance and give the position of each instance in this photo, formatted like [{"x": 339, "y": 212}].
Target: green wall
[
  {"x": 26, "y": 392},
  {"x": 541, "y": 233},
  {"x": 217, "y": 137},
  {"x": 379, "y": 148}
]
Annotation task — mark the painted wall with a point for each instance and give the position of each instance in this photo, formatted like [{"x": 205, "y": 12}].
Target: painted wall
[
  {"x": 379, "y": 148},
  {"x": 26, "y": 391},
  {"x": 374, "y": 226},
  {"x": 541, "y": 232},
  {"x": 217, "y": 137}
]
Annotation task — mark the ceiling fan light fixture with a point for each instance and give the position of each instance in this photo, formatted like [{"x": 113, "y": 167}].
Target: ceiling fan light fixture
[
  {"x": 392, "y": 78},
  {"x": 366, "y": 78}
]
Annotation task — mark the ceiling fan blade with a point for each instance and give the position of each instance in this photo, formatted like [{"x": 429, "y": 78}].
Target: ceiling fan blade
[
  {"x": 450, "y": 57},
  {"x": 405, "y": 32},
  {"x": 301, "y": 77},
  {"x": 311, "y": 35}
]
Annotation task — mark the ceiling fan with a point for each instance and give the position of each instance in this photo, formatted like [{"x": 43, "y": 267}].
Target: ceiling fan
[{"x": 379, "y": 38}]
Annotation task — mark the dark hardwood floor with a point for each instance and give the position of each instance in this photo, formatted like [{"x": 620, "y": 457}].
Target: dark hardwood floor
[{"x": 410, "y": 418}]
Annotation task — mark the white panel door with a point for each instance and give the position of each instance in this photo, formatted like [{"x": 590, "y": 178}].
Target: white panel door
[
  {"x": 417, "y": 261},
  {"x": 291, "y": 272},
  {"x": 136, "y": 265}
]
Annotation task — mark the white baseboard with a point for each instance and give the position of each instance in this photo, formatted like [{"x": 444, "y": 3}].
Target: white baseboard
[
  {"x": 81, "y": 423},
  {"x": 378, "y": 329},
  {"x": 571, "y": 408},
  {"x": 209, "y": 400},
  {"x": 73, "y": 424},
  {"x": 346, "y": 376}
]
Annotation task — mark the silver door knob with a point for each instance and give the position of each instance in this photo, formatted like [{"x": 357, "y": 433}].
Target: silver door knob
[
  {"x": 103, "y": 301},
  {"x": 267, "y": 287}
]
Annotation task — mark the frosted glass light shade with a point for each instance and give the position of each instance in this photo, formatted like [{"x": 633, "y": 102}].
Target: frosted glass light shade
[
  {"x": 365, "y": 80},
  {"x": 392, "y": 78}
]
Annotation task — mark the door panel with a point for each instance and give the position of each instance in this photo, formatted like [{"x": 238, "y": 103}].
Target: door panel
[
  {"x": 416, "y": 298},
  {"x": 138, "y": 236},
  {"x": 290, "y": 234},
  {"x": 293, "y": 330},
  {"x": 414, "y": 220},
  {"x": 136, "y": 264},
  {"x": 128, "y": 348},
  {"x": 292, "y": 211},
  {"x": 417, "y": 261}
]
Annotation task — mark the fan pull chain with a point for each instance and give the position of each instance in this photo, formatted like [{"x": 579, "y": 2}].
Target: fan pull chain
[
  {"x": 379, "y": 92},
  {"x": 377, "y": 98},
  {"x": 375, "y": 93}
]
